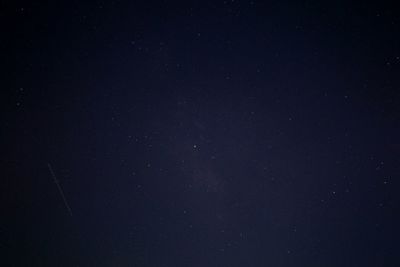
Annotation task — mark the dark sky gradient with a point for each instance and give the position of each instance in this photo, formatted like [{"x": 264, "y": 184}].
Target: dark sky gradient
[{"x": 201, "y": 134}]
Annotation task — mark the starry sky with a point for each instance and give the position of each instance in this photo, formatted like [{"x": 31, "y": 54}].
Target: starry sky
[{"x": 200, "y": 133}]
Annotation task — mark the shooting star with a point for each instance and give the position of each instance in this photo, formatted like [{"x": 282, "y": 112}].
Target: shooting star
[{"x": 59, "y": 189}]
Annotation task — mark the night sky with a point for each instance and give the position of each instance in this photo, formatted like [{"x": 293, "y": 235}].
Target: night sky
[{"x": 200, "y": 134}]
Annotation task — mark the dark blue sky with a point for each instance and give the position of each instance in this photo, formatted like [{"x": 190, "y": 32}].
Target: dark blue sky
[{"x": 221, "y": 133}]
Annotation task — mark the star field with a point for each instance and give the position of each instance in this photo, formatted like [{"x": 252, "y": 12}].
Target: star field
[{"x": 221, "y": 133}]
